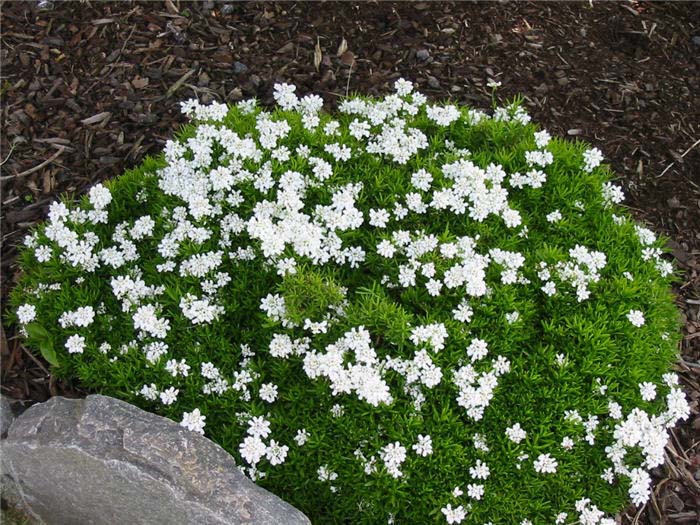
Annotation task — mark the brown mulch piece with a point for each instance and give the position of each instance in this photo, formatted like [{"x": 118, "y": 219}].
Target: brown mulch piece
[{"x": 88, "y": 89}]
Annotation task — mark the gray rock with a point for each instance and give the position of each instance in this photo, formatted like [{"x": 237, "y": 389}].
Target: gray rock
[
  {"x": 239, "y": 67},
  {"x": 423, "y": 54},
  {"x": 6, "y": 415},
  {"x": 102, "y": 461}
]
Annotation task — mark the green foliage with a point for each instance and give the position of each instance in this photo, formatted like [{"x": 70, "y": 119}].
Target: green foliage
[{"x": 594, "y": 338}]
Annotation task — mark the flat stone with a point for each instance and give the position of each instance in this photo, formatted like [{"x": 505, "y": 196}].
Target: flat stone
[{"x": 103, "y": 461}]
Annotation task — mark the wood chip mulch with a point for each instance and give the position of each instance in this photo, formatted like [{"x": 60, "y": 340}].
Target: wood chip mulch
[{"x": 88, "y": 89}]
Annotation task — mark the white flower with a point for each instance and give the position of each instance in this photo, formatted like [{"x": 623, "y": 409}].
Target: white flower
[
  {"x": 480, "y": 443},
  {"x": 480, "y": 470},
  {"x": 331, "y": 128},
  {"x": 276, "y": 453},
  {"x": 43, "y": 253},
  {"x": 424, "y": 446},
  {"x": 154, "y": 351},
  {"x": 386, "y": 249},
  {"x": 636, "y": 317},
  {"x": 177, "y": 368},
  {"x": 555, "y": 216},
  {"x": 421, "y": 180},
  {"x": 545, "y": 464},
  {"x": 378, "y": 218},
  {"x": 403, "y": 87},
  {"x": 549, "y": 288},
  {"x": 252, "y": 450},
  {"x": 615, "y": 410},
  {"x": 393, "y": 456},
  {"x": 516, "y": 433},
  {"x": 325, "y": 474},
  {"x": 542, "y": 138},
  {"x": 99, "y": 197},
  {"x": 75, "y": 344},
  {"x": 301, "y": 437},
  {"x": 455, "y": 515},
  {"x": 259, "y": 427},
  {"x": 477, "y": 349},
  {"x": 149, "y": 392},
  {"x": 567, "y": 443},
  {"x": 463, "y": 312},
  {"x": 670, "y": 379},
  {"x": 608, "y": 475},
  {"x": 83, "y": 317},
  {"x": 193, "y": 421},
  {"x": 647, "y": 391},
  {"x": 613, "y": 194},
  {"x": 209, "y": 371},
  {"x": 145, "y": 319},
  {"x": 433, "y": 286},
  {"x": 285, "y": 97},
  {"x": 443, "y": 116},
  {"x": 200, "y": 311},
  {"x": 475, "y": 491},
  {"x": 592, "y": 159},
  {"x": 359, "y": 129},
  {"x": 539, "y": 158},
  {"x": 169, "y": 396},
  {"x": 268, "y": 392},
  {"x": 640, "y": 488},
  {"x": 26, "y": 313}
]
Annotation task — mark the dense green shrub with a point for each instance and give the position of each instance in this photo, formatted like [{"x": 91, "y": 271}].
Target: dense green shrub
[{"x": 404, "y": 312}]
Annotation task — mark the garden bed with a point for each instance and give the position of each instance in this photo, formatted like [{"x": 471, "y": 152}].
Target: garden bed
[{"x": 623, "y": 77}]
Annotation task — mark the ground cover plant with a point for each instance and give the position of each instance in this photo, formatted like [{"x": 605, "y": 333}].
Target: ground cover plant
[{"x": 402, "y": 312}]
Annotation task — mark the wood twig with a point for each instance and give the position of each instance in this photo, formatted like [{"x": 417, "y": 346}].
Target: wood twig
[
  {"x": 674, "y": 162},
  {"x": 35, "y": 168},
  {"x": 12, "y": 148}
]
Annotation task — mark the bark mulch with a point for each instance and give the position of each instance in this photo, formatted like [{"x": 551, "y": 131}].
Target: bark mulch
[{"x": 88, "y": 89}]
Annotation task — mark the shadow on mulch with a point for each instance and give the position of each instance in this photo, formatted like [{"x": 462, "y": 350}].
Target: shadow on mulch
[{"x": 88, "y": 89}]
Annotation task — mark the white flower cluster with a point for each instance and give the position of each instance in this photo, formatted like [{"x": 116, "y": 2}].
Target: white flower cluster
[
  {"x": 26, "y": 313},
  {"x": 82, "y": 317},
  {"x": 193, "y": 421},
  {"x": 363, "y": 377},
  {"x": 647, "y": 433},
  {"x": 545, "y": 464},
  {"x": 592, "y": 159},
  {"x": 253, "y": 449},
  {"x": 443, "y": 115},
  {"x": 583, "y": 270},
  {"x": 476, "y": 389},
  {"x": 393, "y": 455}
]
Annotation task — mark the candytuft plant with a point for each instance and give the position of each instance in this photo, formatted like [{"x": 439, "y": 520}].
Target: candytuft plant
[{"x": 400, "y": 313}]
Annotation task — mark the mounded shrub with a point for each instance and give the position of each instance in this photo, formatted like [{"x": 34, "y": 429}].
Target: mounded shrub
[{"x": 403, "y": 312}]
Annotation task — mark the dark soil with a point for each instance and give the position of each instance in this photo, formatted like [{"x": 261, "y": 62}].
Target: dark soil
[{"x": 88, "y": 89}]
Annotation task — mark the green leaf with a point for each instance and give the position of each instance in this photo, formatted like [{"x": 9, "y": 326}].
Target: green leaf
[
  {"x": 48, "y": 352},
  {"x": 37, "y": 332}
]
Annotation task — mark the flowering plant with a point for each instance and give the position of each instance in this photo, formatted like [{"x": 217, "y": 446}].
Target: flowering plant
[{"x": 405, "y": 312}]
